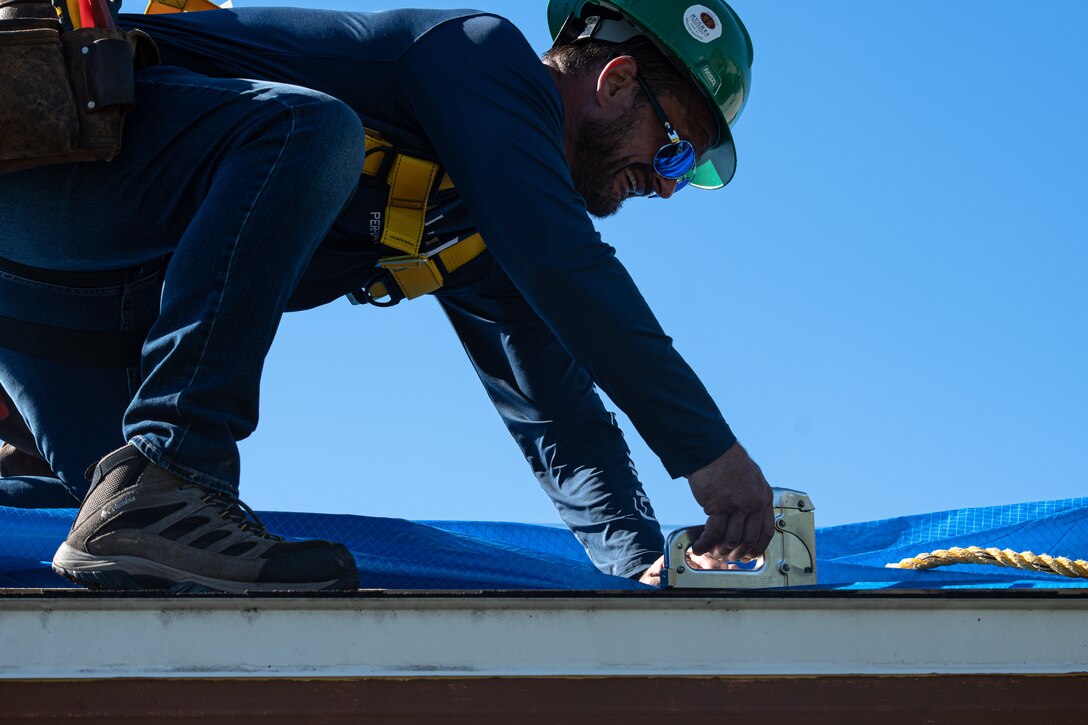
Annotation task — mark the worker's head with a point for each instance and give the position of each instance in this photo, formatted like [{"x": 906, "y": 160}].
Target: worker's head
[
  {"x": 684, "y": 72},
  {"x": 639, "y": 125}
]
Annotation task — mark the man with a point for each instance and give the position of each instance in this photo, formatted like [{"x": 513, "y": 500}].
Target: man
[{"x": 232, "y": 201}]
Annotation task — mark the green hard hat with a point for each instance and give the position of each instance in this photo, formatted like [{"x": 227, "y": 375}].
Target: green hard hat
[{"x": 706, "y": 39}]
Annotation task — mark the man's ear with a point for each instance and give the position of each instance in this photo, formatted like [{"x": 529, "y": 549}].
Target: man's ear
[{"x": 617, "y": 82}]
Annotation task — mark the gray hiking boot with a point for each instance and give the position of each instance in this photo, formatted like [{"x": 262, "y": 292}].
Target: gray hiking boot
[{"x": 141, "y": 527}]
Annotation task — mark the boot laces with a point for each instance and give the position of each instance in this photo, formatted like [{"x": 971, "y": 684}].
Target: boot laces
[{"x": 237, "y": 512}]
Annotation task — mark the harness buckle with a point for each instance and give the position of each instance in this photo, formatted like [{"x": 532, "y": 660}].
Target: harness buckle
[
  {"x": 380, "y": 291},
  {"x": 407, "y": 261}
]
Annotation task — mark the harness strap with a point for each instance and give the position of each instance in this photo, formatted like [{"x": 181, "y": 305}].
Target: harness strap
[
  {"x": 463, "y": 252},
  {"x": 419, "y": 275},
  {"x": 377, "y": 150},
  {"x": 410, "y": 182}
]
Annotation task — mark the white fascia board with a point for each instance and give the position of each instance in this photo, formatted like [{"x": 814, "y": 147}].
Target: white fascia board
[{"x": 525, "y": 636}]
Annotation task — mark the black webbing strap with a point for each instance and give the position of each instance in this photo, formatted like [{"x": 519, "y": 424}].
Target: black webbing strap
[{"x": 87, "y": 348}]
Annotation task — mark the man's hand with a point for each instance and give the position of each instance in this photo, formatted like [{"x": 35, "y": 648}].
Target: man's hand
[{"x": 739, "y": 506}]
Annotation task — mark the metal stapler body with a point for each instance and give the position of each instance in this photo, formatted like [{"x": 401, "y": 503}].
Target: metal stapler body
[{"x": 790, "y": 559}]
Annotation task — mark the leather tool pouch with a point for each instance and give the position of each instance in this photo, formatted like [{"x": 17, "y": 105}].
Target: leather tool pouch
[{"x": 63, "y": 95}]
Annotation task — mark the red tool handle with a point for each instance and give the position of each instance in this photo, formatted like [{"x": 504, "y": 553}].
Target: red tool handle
[{"x": 86, "y": 15}]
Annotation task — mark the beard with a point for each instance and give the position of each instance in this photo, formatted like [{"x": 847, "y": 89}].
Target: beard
[{"x": 597, "y": 158}]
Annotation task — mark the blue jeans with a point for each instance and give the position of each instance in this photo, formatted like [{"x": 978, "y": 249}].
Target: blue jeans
[{"x": 221, "y": 194}]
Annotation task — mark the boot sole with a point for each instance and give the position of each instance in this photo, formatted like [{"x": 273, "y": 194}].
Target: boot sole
[{"x": 133, "y": 572}]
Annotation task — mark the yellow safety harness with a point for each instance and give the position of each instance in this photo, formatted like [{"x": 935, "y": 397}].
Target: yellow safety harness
[{"x": 417, "y": 267}]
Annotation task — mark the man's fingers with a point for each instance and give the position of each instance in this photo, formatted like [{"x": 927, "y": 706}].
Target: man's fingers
[
  {"x": 766, "y": 531},
  {"x": 707, "y": 562},
  {"x": 652, "y": 576},
  {"x": 711, "y": 536},
  {"x": 733, "y": 538},
  {"x": 758, "y": 530}
]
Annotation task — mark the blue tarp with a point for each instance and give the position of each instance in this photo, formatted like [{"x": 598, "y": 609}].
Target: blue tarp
[
  {"x": 398, "y": 554},
  {"x": 853, "y": 556}
]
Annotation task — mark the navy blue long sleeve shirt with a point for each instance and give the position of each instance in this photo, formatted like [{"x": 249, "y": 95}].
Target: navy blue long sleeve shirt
[{"x": 550, "y": 311}]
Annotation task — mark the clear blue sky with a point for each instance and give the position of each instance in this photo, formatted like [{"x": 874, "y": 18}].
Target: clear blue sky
[{"x": 888, "y": 302}]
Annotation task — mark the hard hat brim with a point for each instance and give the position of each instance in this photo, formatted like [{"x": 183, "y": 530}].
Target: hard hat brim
[{"x": 717, "y": 166}]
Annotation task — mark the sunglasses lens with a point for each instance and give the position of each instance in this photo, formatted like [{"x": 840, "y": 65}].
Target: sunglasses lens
[{"x": 675, "y": 161}]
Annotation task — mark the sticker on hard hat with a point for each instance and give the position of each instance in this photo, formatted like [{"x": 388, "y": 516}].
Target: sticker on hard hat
[{"x": 702, "y": 24}]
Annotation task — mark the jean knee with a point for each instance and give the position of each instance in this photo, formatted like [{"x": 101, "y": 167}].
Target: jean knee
[
  {"x": 336, "y": 130},
  {"x": 346, "y": 143},
  {"x": 345, "y": 128}
]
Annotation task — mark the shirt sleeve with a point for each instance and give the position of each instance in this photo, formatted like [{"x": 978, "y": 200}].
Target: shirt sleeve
[{"x": 495, "y": 119}]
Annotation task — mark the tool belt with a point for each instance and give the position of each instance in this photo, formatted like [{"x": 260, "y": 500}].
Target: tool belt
[
  {"x": 63, "y": 93},
  {"x": 419, "y": 263}
]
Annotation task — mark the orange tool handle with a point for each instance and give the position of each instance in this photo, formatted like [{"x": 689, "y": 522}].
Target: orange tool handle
[{"x": 73, "y": 13}]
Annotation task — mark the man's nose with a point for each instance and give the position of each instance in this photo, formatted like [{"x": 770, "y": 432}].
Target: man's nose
[{"x": 665, "y": 187}]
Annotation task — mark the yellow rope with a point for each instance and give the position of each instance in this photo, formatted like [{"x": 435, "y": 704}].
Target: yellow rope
[{"x": 1007, "y": 557}]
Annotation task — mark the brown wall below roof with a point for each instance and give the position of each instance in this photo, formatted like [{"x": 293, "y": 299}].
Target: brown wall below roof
[{"x": 842, "y": 700}]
